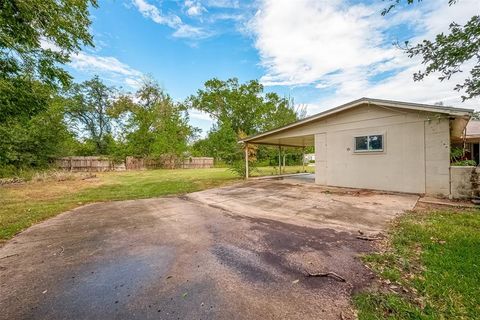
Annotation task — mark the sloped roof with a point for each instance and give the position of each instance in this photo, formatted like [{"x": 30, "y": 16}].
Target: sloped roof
[
  {"x": 473, "y": 128},
  {"x": 455, "y": 112}
]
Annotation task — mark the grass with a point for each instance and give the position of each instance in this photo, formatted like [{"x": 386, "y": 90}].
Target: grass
[
  {"x": 433, "y": 265},
  {"x": 24, "y": 204},
  {"x": 270, "y": 171}
]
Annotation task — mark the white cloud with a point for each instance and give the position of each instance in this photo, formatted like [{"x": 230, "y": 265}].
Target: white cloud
[
  {"x": 200, "y": 115},
  {"x": 187, "y": 31},
  {"x": 201, "y": 120},
  {"x": 83, "y": 61},
  {"x": 223, "y": 3},
  {"x": 347, "y": 48},
  {"x": 194, "y": 8},
  {"x": 108, "y": 67},
  {"x": 150, "y": 11},
  {"x": 321, "y": 38},
  {"x": 182, "y": 30}
]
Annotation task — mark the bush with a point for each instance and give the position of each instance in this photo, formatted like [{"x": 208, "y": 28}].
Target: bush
[
  {"x": 464, "y": 163},
  {"x": 238, "y": 167}
]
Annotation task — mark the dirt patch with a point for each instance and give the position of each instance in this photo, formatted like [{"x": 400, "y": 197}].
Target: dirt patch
[{"x": 49, "y": 190}]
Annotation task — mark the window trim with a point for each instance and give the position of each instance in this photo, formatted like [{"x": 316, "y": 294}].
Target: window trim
[{"x": 368, "y": 143}]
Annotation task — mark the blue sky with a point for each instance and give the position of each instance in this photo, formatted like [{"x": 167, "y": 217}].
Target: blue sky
[{"x": 321, "y": 53}]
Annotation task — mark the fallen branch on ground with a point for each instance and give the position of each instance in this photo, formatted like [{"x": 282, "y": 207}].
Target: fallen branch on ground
[
  {"x": 368, "y": 238},
  {"x": 11, "y": 255},
  {"x": 327, "y": 274}
]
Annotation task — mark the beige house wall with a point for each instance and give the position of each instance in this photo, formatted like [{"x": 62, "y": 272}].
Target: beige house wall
[
  {"x": 437, "y": 157},
  {"x": 415, "y": 157}
]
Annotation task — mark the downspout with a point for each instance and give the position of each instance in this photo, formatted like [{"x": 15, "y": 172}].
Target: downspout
[{"x": 425, "y": 153}]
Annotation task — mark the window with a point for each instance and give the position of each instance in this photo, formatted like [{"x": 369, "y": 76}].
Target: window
[{"x": 369, "y": 143}]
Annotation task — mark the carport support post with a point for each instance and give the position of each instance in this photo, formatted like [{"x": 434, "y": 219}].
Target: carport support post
[
  {"x": 246, "y": 160},
  {"x": 279, "y": 159},
  {"x": 303, "y": 159}
]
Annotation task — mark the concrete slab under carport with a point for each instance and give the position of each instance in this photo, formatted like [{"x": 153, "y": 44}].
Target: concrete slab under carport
[{"x": 294, "y": 199}]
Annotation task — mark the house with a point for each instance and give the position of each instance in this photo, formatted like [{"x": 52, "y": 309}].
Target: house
[
  {"x": 378, "y": 144},
  {"x": 309, "y": 158},
  {"x": 471, "y": 141}
]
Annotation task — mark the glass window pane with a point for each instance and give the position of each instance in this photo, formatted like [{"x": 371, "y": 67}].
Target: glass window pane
[
  {"x": 361, "y": 143},
  {"x": 375, "y": 142}
]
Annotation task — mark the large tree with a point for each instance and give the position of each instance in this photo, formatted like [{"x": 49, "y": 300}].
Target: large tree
[
  {"x": 87, "y": 111},
  {"x": 238, "y": 108},
  {"x": 36, "y": 38},
  {"x": 451, "y": 53},
  {"x": 152, "y": 123},
  {"x": 244, "y": 106}
]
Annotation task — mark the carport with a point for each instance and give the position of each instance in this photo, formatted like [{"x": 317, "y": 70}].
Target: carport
[{"x": 279, "y": 141}]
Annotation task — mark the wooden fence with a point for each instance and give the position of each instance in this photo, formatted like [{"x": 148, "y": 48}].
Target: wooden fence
[
  {"x": 168, "y": 162},
  {"x": 97, "y": 164}
]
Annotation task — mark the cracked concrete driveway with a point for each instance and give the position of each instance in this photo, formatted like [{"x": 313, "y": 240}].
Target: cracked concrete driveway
[{"x": 238, "y": 252}]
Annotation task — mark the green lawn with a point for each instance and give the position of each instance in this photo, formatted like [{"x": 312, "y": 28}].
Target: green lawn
[
  {"x": 22, "y": 205},
  {"x": 433, "y": 264}
]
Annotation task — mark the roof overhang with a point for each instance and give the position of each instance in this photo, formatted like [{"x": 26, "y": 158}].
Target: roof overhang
[{"x": 268, "y": 136}]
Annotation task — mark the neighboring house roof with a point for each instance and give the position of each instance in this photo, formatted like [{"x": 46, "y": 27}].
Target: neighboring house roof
[
  {"x": 451, "y": 111},
  {"x": 473, "y": 130}
]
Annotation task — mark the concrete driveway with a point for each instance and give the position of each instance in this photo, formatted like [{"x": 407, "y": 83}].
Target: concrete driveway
[
  {"x": 239, "y": 252},
  {"x": 293, "y": 201}
]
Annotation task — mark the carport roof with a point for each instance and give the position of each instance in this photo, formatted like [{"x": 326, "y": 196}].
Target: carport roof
[{"x": 308, "y": 140}]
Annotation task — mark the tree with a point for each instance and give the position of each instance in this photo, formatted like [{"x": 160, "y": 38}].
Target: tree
[
  {"x": 244, "y": 106},
  {"x": 33, "y": 141},
  {"x": 38, "y": 36},
  {"x": 87, "y": 109},
  {"x": 238, "y": 108},
  {"x": 449, "y": 53},
  {"x": 152, "y": 123}
]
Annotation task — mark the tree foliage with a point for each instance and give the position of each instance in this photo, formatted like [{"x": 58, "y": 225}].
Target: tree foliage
[
  {"x": 152, "y": 124},
  {"x": 34, "y": 141},
  {"x": 87, "y": 112},
  {"x": 38, "y": 36},
  {"x": 238, "y": 108},
  {"x": 244, "y": 107},
  {"x": 450, "y": 53}
]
